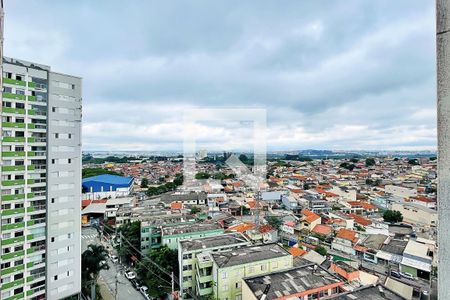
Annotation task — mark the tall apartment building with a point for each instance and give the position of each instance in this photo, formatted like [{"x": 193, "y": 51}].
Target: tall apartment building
[{"x": 40, "y": 182}]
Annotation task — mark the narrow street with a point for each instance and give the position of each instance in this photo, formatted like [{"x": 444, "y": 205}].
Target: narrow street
[{"x": 114, "y": 276}]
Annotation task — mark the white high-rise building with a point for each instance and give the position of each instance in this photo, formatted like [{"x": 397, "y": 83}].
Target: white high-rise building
[{"x": 40, "y": 182}]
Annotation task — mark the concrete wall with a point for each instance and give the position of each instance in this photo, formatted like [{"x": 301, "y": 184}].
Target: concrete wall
[{"x": 64, "y": 186}]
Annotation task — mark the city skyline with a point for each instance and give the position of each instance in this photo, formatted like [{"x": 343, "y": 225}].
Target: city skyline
[{"x": 360, "y": 79}]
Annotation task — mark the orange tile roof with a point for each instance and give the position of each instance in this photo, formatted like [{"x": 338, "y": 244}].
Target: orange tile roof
[
  {"x": 360, "y": 219},
  {"x": 322, "y": 229},
  {"x": 243, "y": 227},
  {"x": 309, "y": 216},
  {"x": 295, "y": 251},
  {"x": 265, "y": 228},
  {"x": 176, "y": 205},
  {"x": 360, "y": 248},
  {"x": 347, "y": 234}
]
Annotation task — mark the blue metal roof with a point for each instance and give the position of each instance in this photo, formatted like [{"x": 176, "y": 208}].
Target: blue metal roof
[
  {"x": 106, "y": 181},
  {"x": 111, "y": 179}
]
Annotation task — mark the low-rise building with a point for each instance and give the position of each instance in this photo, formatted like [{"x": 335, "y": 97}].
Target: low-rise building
[
  {"x": 229, "y": 268},
  {"x": 192, "y": 252},
  {"x": 417, "y": 260},
  {"x": 170, "y": 235},
  {"x": 305, "y": 282},
  {"x": 345, "y": 241},
  {"x": 106, "y": 186},
  {"x": 416, "y": 213}
]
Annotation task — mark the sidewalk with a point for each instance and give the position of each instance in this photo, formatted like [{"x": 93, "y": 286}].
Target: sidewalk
[{"x": 105, "y": 293}]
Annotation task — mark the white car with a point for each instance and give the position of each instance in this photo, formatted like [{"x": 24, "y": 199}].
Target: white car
[
  {"x": 114, "y": 258},
  {"x": 143, "y": 291},
  {"x": 130, "y": 275}
]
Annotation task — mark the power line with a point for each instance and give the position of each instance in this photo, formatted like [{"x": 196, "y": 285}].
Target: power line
[{"x": 144, "y": 256}]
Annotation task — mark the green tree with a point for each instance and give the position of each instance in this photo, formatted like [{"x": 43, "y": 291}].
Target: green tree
[
  {"x": 321, "y": 250},
  {"x": 132, "y": 232},
  {"x": 202, "y": 175},
  {"x": 275, "y": 222},
  {"x": 93, "y": 260},
  {"x": 195, "y": 210},
  {"x": 347, "y": 166},
  {"x": 219, "y": 176},
  {"x": 392, "y": 216},
  {"x": 144, "y": 182},
  {"x": 165, "y": 258},
  {"x": 370, "y": 162},
  {"x": 89, "y": 172},
  {"x": 413, "y": 161}
]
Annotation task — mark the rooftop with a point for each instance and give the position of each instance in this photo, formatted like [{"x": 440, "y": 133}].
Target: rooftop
[
  {"x": 189, "y": 228},
  {"x": 293, "y": 282},
  {"x": 347, "y": 234},
  {"x": 374, "y": 241},
  {"x": 416, "y": 249},
  {"x": 213, "y": 241},
  {"x": 395, "y": 247},
  {"x": 371, "y": 292},
  {"x": 110, "y": 179},
  {"x": 249, "y": 254}
]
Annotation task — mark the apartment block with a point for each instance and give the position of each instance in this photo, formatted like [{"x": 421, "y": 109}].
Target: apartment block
[
  {"x": 195, "y": 271},
  {"x": 229, "y": 268},
  {"x": 40, "y": 182}
]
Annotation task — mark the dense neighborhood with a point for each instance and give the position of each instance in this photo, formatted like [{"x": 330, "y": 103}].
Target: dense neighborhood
[{"x": 317, "y": 228}]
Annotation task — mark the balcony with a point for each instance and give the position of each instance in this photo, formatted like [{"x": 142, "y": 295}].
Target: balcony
[
  {"x": 13, "y": 226},
  {"x": 35, "y": 276},
  {"x": 16, "y": 297},
  {"x": 13, "y": 125},
  {"x": 14, "y": 96},
  {"x": 12, "y": 284},
  {"x": 36, "y": 290},
  {"x": 36, "y": 249},
  {"x": 13, "y": 182},
  {"x": 11, "y": 110},
  {"x": 13, "y": 154},
  {"x": 13, "y": 168},
  {"x": 35, "y": 222},
  {"x": 14, "y": 82},
  {"x": 12, "y": 139},
  {"x": 15, "y": 211},
  {"x": 19, "y": 239},
  {"x": 205, "y": 291},
  {"x": 11, "y": 270},
  {"x": 13, "y": 255},
  {"x": 16, "y": 197}
]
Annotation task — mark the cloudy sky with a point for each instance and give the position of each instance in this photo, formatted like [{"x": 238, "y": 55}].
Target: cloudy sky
[{"x": 330, "y": 74}]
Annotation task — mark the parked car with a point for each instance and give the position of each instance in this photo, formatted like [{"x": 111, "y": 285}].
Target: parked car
[
  {"x": 136, "y": 283},
  {"x": 114, "y": 258},
  {"x": 143, "y": 291},
  {"x": 395, "y": 274},
  {"x": 407, "y": 276},
  {"x": 130, "y": 275}
]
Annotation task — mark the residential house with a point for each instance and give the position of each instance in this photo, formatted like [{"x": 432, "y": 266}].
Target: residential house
[{"x": 345, "y": 241}]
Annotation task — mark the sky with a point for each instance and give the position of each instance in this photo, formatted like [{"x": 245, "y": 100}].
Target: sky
[{"x": 340, "y": 75}]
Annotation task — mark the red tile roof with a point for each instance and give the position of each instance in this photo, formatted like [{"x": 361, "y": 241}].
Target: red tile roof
[
  {"x": 243, "y": 227},
  {"x": 295, "y": 251},
  {"x": 360, "y": 220},
  {"x": 322, "y": 229},
  {"x": 347, "y": 234},
  {"x": 309, "y": 216}
]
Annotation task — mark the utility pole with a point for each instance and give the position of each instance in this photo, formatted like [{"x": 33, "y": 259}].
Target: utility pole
[
  {"x": 443, "y": 127},
  {"x": 173, "y": 286}
]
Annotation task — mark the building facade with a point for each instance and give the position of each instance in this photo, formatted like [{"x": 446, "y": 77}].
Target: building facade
[
  {"x": 195, "y": 265},
  {"x": 40, "y": 182}
]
